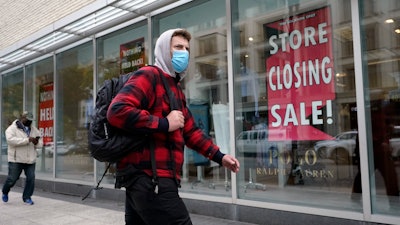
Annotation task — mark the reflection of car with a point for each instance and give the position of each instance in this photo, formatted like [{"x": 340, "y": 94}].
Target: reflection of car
[
  {"x": 62, "y": 149},
  {"x": 250, "y": 141},
  {"x": 255, "y": 144},
  {"x": 340, "y": 149},
  {"x": 395, "y": 143},
  {"x": 78, "y": 148}
]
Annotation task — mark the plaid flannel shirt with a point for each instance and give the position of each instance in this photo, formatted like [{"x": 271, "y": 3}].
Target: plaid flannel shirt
[{"x": 143, "y": 105}]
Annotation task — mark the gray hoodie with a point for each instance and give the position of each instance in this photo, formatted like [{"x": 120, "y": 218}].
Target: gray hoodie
[{"x": 162, "y": 53}]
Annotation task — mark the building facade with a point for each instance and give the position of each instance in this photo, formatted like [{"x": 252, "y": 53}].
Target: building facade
[{"x": 305, "y": 93}]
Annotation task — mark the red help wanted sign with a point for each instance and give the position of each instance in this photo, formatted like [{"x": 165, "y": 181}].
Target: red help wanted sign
[
  {"x": 46, "y": 103},
  {"x": 300, "y": 76}
]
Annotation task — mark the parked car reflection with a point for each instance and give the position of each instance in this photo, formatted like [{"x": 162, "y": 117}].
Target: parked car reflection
[
  {"x": 341, "y": 149},
  {"x": 254, "y": 144},
  {"x": 62, "y": 149},
  {"x": 250, "y": 141}
]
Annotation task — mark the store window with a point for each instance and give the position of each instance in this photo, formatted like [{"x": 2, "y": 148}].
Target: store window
[
  {"x": 12, "y": 104},
  {"x": 206, "y": 88},
  {"x": 74, "y": 102},
  {"x": 295, "y": 102},
  {"x": 380, "y": 26},
  {"x": 118, "y": 53},
  {"x": 39, "y": 99}
]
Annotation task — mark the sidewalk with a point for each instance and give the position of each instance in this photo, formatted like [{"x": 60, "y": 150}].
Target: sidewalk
[{"x": 58, "y": 209}]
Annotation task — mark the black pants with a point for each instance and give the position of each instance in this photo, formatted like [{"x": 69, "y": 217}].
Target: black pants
[
  {"x": 14, "y": 172},
  {"x": 144, "y": 207}
]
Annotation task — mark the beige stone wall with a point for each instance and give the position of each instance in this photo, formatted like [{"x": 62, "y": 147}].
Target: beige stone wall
[{"x": 21, "y": 18}]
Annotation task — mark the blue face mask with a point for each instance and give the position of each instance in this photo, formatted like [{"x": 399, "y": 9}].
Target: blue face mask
[{"x": 180, "y": 60}]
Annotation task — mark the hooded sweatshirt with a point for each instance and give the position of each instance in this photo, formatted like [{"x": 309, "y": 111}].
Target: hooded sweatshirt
[
  {"x": 162, "y": 53},
  {"x": 142, "y": 106}
]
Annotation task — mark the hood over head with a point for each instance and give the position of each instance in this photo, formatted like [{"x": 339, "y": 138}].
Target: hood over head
[{"x": 162, "y": 53}]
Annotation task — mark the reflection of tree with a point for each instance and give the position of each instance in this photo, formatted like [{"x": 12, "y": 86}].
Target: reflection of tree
[
  {"x": 108, "y": 68},
  {"x": 12, "y": 94},
  {"x": 75, "y": 85}
]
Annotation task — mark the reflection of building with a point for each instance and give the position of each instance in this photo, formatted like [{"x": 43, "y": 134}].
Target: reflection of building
[
  {"x": 77, "y": 53},
  {"x": 85, "y": 112}
]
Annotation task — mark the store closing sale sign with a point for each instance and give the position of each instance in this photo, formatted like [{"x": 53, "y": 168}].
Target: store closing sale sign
[{"x": 299, "y": 76}]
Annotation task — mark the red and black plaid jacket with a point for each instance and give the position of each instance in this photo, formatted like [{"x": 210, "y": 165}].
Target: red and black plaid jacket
[{"x": 142, "y": 105}]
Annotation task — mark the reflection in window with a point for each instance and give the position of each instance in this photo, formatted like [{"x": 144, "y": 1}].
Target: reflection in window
[
  {"x": 382, "y": 44},
  {"x": 40, "y": 99},
  {"x": 109, "y": 64},
  {"x": 74, "y": 85},
  {"x": 206, "y": 89},
  {"x": 290, "y": 85},
  {"x": 12, "y": 105}
]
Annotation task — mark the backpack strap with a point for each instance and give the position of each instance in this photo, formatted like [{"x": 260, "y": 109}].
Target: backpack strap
[
  {"x": 173, "y": 106},
  {"x": 172, "y": 99},
  {"x": 98, "y": 183}
]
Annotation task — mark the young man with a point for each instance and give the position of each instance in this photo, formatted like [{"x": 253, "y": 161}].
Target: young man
[
  {"x": 142, "y": 105},
  {"x": 22, "y": 139}
]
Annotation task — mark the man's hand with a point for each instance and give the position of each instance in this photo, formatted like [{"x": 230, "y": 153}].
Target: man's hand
[
  {"x": 176, "y": 120},
  {"x": 33, "y": 140},
  {"x": 231, "y": 163}
]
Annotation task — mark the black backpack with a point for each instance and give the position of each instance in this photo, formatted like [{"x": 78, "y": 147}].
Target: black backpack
[{"x": 108, "y": 143}]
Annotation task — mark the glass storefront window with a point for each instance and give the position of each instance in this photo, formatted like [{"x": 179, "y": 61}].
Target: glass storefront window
[
  {"x": 12, "y": 104},
  {"x": 294, "y": 96},
  {"x": 118, "y": 53},
  {"x": 39, "y": 98},
  {"x": 122, "y": 51},
  {"x": 380, "y": 26},
  {"x": 206, "y": 88},
  {"x": 295, "y": 103},
  {"x": 74, "y": 101}
]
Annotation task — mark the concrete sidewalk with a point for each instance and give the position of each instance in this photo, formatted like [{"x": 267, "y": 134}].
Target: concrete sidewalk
[{"x": 58, "y": 209}]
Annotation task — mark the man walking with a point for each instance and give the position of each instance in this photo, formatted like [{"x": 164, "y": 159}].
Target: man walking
[
  {"x": 141, "y": 105},
  {"x": 22, "y": 138}
]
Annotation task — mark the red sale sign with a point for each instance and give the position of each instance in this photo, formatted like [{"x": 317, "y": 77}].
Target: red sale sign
[
  {"x": 132, "y": 55},
  {"x": 300, "y": 77},
  {"x": 45, "y": 123}
]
